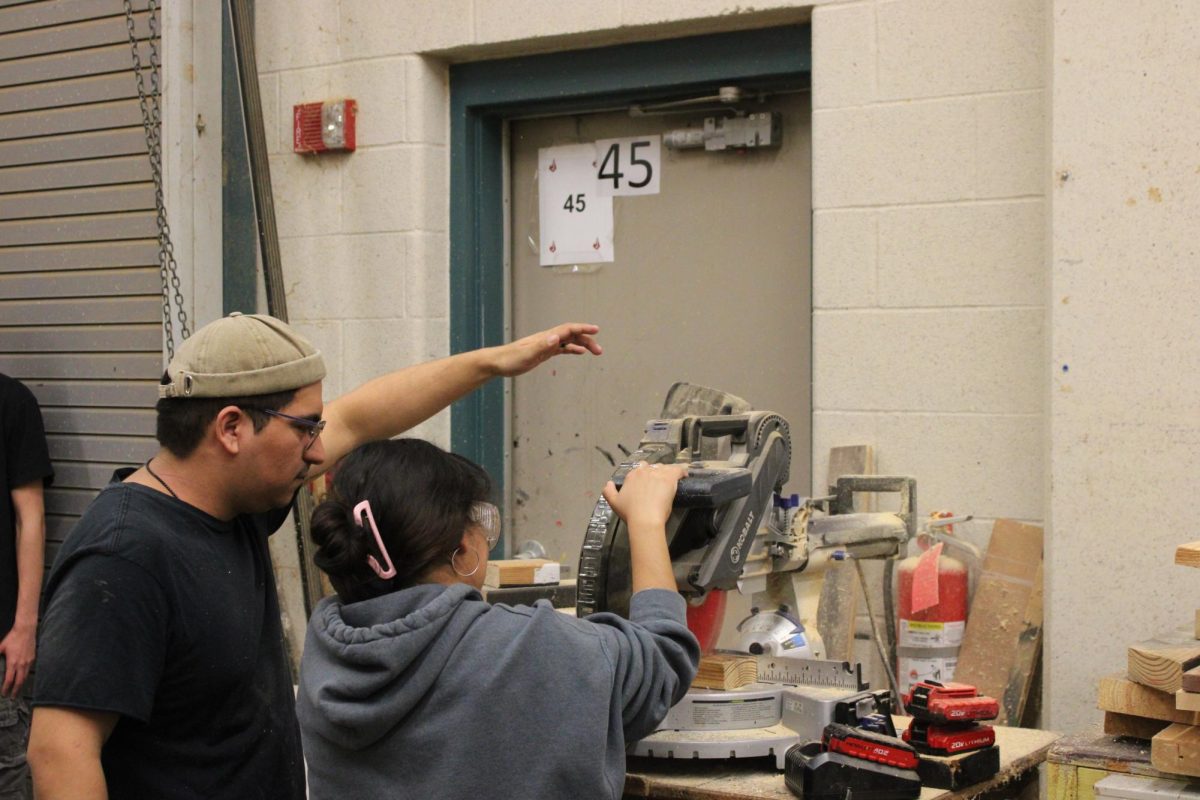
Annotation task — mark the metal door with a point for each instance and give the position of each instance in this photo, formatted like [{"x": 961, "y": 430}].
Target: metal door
[{"x": 711, "y": 284}]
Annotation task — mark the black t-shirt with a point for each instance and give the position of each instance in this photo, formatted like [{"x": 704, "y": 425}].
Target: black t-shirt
[
  {"x": 23, "y": 460},
  {"x": 168, "y": 617}
]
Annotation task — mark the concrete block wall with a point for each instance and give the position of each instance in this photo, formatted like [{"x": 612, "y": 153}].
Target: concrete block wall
[{"x": 929, "y": 230}]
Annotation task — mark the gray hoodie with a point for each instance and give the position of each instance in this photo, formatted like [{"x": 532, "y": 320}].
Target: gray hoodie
[{"x": 431, "y": 693}]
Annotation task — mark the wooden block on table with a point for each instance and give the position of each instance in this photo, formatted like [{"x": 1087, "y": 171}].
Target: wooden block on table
[
  {"x": 1188, "y": 555},
  {"x": 521, "y": 572},
  {"x": 1003, "y": 638},
  {"x": 1177, "y": 750},
  {"x": 1187, "y": 701},
  {"x": 837, "y": 609},
  {"x": 725, "y": 671},
  {"x": 1134, "y": 727},
  {"x": 1161, "y": 662},
  {"x": 1120, "y": 695}
]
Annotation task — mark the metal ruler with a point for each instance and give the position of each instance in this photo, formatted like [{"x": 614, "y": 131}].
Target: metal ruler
[{"x": 811, "y": 672}]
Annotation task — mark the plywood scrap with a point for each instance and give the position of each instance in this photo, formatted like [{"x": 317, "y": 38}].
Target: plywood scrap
[
  {"x": 1176, "y": 749},
  {"x": 1187, "y": 701},
  {"x": 521, "y": 572},
  {"x": 1133, "y": 727},
  {"x": 1161, "y": 662},
  {"x": 1118, "y": 694},
  {"x": 1188, "y": 555},
  {"x": 838, "y": 606},
  {"x": 1003, "y": 637},
  {"x": 725, "y": 671}
]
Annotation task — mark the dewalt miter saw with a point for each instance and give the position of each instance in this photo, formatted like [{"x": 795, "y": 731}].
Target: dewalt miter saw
[{"x": 733, "y": 528}]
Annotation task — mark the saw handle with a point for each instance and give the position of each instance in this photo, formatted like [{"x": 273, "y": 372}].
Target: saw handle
[{"x": 707, "y": 487}]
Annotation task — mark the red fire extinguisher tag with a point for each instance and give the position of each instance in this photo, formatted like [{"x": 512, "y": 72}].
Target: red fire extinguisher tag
[{"x": 925, "y": 579}]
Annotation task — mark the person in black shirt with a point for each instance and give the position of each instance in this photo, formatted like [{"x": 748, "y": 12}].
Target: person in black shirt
[
  {"x": 162, "y": 670},
  {"x": 24, "y": 471}
]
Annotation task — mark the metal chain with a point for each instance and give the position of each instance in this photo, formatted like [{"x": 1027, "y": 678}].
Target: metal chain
[{"x": 152, "y": 124}]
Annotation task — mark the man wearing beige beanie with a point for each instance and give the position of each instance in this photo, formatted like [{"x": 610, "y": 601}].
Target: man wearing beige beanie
[{"x": 161, "y": 666}]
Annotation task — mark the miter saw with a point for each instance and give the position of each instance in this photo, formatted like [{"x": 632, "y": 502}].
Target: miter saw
[{"x": 733, "y": 528}]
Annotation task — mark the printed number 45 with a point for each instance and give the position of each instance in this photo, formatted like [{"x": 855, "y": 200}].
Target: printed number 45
[
  {"x": 610, "y": 167},
  {"x": 575, "y": 202}
]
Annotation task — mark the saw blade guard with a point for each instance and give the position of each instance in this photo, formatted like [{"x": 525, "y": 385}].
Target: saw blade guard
[
  {"x": 737, "y": 464},
  {"x": 774, "y": 633}
]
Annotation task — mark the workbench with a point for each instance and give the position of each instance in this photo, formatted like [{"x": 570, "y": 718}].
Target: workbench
[
  {"x": 1021, "y": 751},
  {"x": 1076, "y": 763}
]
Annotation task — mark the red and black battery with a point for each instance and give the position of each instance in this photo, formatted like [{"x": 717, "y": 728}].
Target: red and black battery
[
  {"x": 947, "y": 703},
  {"x": 948, "y": 739},
  {"x": 869, "y": 746}
]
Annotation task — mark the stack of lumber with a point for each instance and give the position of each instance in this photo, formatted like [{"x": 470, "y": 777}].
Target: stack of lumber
[
  {"x": 725, "y": 671},
  {"x": 1159, "y": 696}
]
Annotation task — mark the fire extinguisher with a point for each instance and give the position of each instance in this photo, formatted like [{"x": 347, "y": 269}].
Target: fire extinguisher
[{"x": 928, "y": 640}]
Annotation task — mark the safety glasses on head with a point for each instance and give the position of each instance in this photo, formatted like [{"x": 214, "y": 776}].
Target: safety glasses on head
[{"x": 487, "y": 516}]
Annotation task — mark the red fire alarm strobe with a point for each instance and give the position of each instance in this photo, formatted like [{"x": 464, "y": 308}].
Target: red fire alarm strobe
[{"x": 324, "y": 127}]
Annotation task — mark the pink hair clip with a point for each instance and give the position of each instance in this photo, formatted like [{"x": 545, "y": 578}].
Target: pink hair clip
[{"x": 362, "y": 510}]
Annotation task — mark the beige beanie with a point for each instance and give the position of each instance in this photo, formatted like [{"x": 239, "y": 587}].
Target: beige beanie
[{"x": 242, "y": 355}]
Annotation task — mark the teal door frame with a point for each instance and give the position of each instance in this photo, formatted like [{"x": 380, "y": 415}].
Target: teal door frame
[{"x": 486, "y": 93}]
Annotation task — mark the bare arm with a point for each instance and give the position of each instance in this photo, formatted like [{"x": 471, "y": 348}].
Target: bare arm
[
  {"x": 644, "y": 502},
  {"x": 393, "y": 403},
  {"x": 19, "y": 644},
  {"x": 64, "y": 752}
]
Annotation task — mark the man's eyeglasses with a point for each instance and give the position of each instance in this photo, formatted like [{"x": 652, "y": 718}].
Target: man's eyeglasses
[
  {"x": 487, "y": 516},
  {"x": 311, "y": 428}
]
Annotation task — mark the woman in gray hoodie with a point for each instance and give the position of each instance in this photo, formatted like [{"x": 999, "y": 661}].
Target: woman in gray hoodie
[{"x": 411, "y": 686}]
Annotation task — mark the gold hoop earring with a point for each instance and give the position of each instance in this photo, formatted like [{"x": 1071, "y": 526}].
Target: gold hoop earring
[{"x": 454, "y": 567}]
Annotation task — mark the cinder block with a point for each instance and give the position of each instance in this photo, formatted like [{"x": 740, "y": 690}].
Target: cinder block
[
  {"x": 980, "y": 254},
  {"x": 509, "y": 20},
  {"x": 427, "y": 275},
  {"x": 381, "y": 188},
  {"x": 347, "y": 277},
  {"x": 427, "y": 97},
  {"x": 268, "y": 92},
  {"x": 294, "y": 33},
  {"x": 906, "y": 153},
  {"x": 843, "y": 56},
  {"x": 372, "y": 28},
  {"x": 377, "y": 85},
  {"x": 375, "y": 347},
  {"x": 965, "y": 360},
  {"x": 845, "y": 245},
  {"x": 326, "y": 336},
  {"x": 308, "y": 195},
  {"x": 934, "y": 48},
  {"x": 649, "y": 12},
  {"x": 1012, "y": 145},
  {"x": 982, "y": 464}
]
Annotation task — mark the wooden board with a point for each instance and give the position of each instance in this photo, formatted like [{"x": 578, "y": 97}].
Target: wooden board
[
  {"x": 725, "y": 671},
  {"x": 521, "y": 572},
  {"x": 1188, "y": 554},
  {"x": 1177, "y": 750},
  {"x": 1002, "y": 641},
  {"x": 1133, "y": 727},
  {"x": 837, "y": 609},
  {"x": 1161, "y": 662},
  {"x": 1118, "y": 694},
  {"x": 1187, "y": 701},
  {"x": 1191, "y": 680}
]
